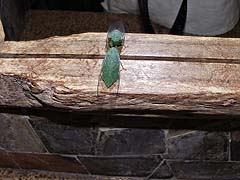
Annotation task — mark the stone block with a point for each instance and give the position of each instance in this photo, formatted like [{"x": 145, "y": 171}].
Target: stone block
[
  {"x": 49, "y": 162},
  {"x": 121, "y": 141},
  {"x": 205, "y": 170},
  {"x": 17, "y": 134},
  {"x": 6, "y": 161},
  {"x": 199, "y": 145},
  {"x": 65, "y": 139},
  {"x": 139, "y": 166}
]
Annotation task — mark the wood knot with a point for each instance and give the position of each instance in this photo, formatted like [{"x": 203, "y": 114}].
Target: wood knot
[{"x": 229, "y": 102}]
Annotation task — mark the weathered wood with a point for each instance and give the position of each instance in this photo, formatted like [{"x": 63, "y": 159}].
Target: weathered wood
[{"x": 166, "y": 77}]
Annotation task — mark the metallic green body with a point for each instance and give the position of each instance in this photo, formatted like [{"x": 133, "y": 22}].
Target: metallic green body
[
  {"x": 111, "y": 63},
  {"x": 115, "y": 38},
  {"x": 111, "y": 67}
]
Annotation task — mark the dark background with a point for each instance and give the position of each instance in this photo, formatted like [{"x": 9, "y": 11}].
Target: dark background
[{"x": 73, "y": 5}]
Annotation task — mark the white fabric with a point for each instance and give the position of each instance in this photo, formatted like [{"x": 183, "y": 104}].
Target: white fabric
[{"x": 205, "y": 17}]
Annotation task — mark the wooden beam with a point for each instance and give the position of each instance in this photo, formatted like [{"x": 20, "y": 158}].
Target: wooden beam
[{"x": 166, "y": 76}]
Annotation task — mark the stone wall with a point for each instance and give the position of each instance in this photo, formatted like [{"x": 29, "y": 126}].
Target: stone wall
[{"x": 31, "y": 142}]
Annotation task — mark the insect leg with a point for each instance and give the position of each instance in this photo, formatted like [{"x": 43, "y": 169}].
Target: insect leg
[
  {"x": 118, "y": 86},
  {"x": 123, "y": 43},
  {"x": 122, "y": 67},
  {"x": 107, "y": 45},
  {"x": 99, "y": 79}
]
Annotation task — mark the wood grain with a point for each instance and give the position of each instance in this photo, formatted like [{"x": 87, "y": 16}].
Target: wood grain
[{"x": 165, "y": 77}]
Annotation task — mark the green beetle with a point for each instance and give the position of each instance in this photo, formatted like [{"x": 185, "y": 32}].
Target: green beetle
[
  {"x": 111, "y": 67},
  {"x": 111, "y": 64}
]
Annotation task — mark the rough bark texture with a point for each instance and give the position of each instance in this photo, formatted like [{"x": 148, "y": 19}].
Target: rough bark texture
[{"x": 166, "y": 77}]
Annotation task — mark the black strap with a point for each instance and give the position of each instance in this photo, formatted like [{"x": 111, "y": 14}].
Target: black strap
[
  {"x": 180, "y": 21},
  {"x": 144, "y": 13}
]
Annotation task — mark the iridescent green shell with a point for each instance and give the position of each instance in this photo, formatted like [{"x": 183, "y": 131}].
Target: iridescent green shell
[
  {"x": 115, "y": 36},
  {"x": 111, "y": 67}
]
